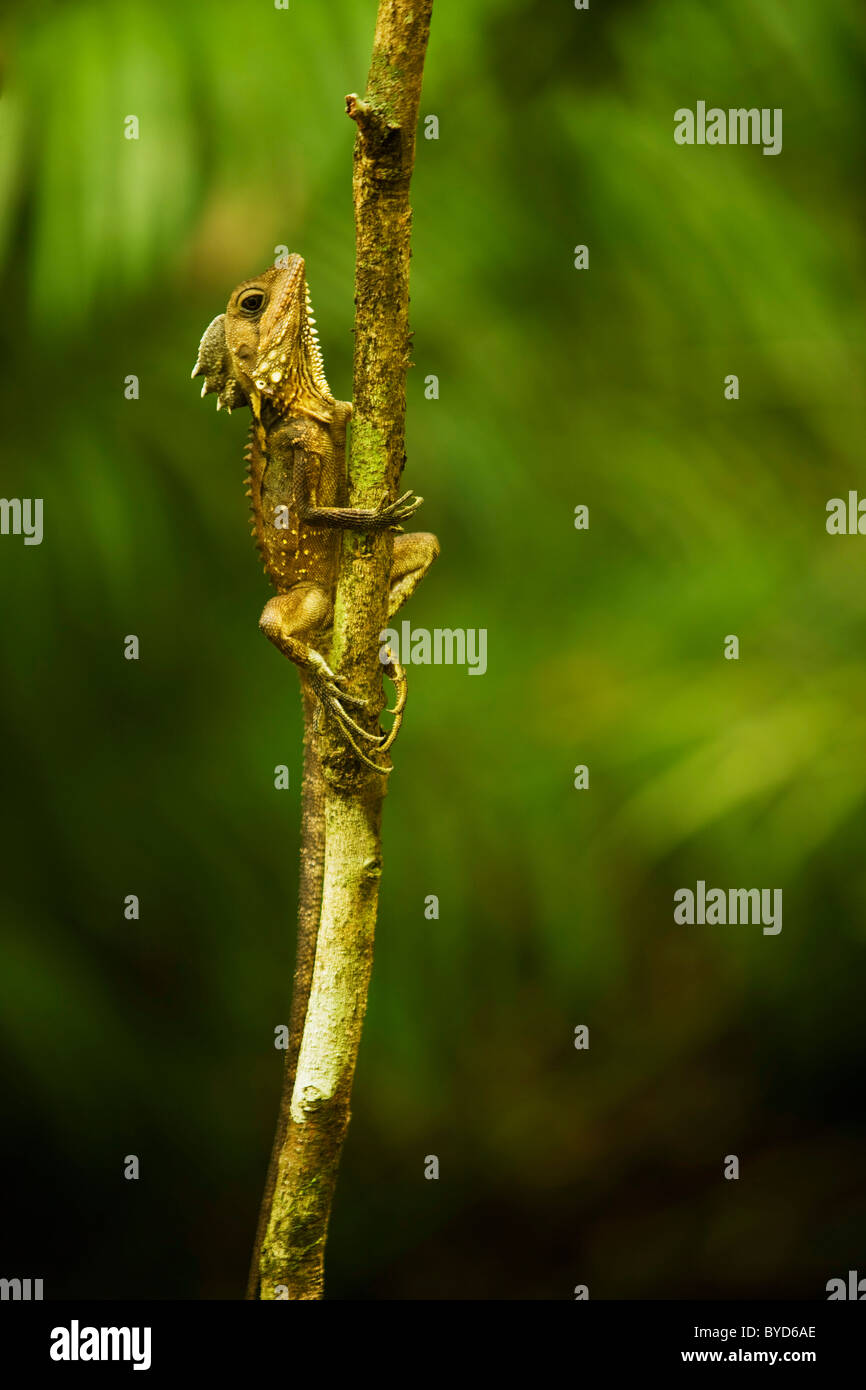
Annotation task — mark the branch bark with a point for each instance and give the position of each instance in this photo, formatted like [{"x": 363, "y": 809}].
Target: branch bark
[
  {"x": 292, "y": 1249},
  {"x": 309, "y": 911}
]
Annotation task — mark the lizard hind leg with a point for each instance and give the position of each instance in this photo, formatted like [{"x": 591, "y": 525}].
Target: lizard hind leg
[
  {"x": 290, "y": 620},
  {"x": 413, "y": 555}
]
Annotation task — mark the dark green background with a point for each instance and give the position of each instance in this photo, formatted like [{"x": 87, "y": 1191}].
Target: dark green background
[{"x": 557, "y": 387}]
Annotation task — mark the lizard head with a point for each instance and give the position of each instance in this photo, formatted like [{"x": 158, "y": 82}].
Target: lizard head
[{"x": 265, "y": 347}]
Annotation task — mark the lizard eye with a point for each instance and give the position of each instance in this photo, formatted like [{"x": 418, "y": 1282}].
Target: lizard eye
[{"x": 251, "y": 303}]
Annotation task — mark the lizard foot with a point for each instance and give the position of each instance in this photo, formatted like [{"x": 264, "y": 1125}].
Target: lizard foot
[
  {"x": 333, "y": 697},
  {"x": 395, "y": 673},
  {"x": 400, "y": 510}
]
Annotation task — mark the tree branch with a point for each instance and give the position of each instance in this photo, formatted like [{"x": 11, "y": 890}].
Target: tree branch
[
  {"x": 292, "y": 1254},
  {"x": 309, "y": 911}
]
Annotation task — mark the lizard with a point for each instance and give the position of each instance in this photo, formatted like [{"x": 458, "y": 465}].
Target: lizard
[{"x": 264, "y": 353}]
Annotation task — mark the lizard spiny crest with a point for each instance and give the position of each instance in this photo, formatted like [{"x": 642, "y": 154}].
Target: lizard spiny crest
[{"x": 289, "y": 368}]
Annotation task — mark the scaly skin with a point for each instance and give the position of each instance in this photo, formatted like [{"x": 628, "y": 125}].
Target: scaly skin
[{"x": 264, "y": 353}]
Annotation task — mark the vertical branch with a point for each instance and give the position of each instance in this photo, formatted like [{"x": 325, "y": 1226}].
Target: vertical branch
[
  {"x": 292, "y": 1254},
  {"x": 309, "y": 911}
]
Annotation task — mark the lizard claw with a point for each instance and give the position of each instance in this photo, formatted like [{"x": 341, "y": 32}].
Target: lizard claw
[
  {"x": 359, "y": 753},
  {"x": 399, "y": 510},
  {"x": 333, "y": 688},
  {"x": 349, "y": 729},
  {"x": 395, "y": 673},
  {"x": 333, "y": 697}
]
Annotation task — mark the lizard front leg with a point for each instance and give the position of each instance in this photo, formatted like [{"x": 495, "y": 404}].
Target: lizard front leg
[
  {"x": 290, "y": 620},
  {"x": 386, "y": 517}
]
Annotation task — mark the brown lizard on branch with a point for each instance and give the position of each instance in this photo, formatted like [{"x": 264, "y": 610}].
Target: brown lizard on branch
[{"x": 264, "y": 352}]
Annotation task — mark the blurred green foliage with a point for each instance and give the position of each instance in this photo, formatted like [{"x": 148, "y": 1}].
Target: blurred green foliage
[{"x": 558, "y": 387}]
